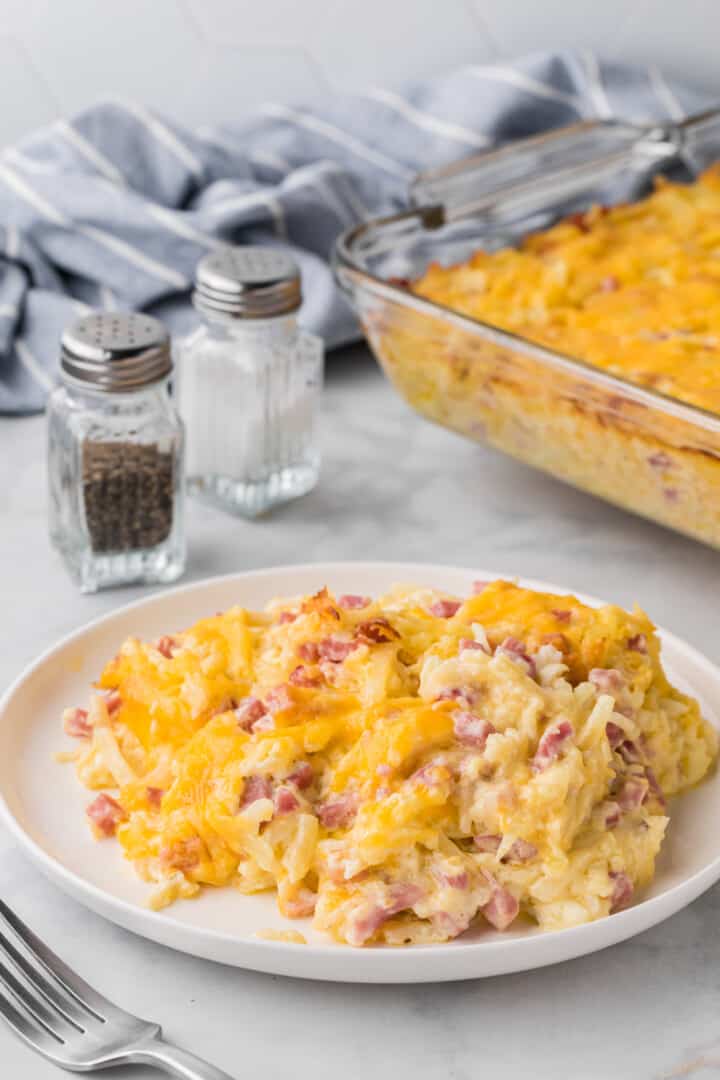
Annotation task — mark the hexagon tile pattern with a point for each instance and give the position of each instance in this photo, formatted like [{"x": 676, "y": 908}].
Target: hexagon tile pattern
[{"x": 205, "y": 61}]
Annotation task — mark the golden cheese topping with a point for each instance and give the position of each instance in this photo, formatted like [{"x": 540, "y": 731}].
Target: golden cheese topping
[
  {"x": 400, "y": 768},
  {"x": 634, "y": 289}
]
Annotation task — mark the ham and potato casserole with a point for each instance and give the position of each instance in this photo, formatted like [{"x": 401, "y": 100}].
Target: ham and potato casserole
[
  {"x": 398, "y": 768},
  {"x": 631, "y": 291}
]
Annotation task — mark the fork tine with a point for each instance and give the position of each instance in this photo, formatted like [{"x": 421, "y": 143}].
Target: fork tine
[
  {"x": 33, "y": 1004},
  {"x": 94, "y": 1004},
  {"x": 65, "y": 1005},
  {"x": 28, "y": 1030}
]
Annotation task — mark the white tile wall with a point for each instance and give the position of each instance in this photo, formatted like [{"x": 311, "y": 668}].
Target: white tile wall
[
  {"x": 527, "y": 25},
  {"x": 207, "y": 60}
]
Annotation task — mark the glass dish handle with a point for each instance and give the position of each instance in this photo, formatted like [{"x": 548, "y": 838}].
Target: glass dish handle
[
  {"x": 699, "y": 139},
  {"x": 504, "y": 184}
]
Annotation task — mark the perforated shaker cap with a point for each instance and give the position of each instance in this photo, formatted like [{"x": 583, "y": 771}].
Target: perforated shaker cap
[
  {"x": 116, "y": 350},
  {"x": 247, "y": 283}
]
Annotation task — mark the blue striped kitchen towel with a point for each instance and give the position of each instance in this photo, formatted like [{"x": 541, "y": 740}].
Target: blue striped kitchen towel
[{"x": 114, "y": 208}]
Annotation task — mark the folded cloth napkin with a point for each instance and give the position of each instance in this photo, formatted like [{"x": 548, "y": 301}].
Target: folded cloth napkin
[{"x": 114, "y": 208}]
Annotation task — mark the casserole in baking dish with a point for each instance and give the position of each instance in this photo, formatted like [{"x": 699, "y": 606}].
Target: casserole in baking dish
[{"x": 513, "y": 306}]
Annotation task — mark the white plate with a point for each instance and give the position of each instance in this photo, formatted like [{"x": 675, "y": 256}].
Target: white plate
[{"x": 43, "y": 804}]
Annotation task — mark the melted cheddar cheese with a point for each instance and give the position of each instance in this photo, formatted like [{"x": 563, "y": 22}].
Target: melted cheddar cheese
[
  {"x": 399, "y": 768},
  {"x": 633, "y": 289}
]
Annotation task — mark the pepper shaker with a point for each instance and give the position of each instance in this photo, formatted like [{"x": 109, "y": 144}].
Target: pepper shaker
[
  {"x": 249, "y": 384},
  {"x": 115, "y": 454}
]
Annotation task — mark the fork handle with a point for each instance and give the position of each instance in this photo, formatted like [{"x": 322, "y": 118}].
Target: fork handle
[{"x": 176, "y": 1061}]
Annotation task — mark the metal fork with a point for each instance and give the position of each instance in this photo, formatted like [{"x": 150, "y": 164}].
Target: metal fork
[{"x": 56, "y": 1013}]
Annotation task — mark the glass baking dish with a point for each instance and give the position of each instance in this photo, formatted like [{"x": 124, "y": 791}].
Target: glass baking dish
[{"x": 634, "y": 446}]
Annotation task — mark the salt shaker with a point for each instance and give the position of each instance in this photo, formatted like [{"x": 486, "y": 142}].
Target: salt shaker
[
  {"x": 249, "y": 383},
  {"x": 115, "y": 454}
]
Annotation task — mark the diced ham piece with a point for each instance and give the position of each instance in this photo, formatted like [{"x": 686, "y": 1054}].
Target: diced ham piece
[
  {"x": 460, "y": 880},
  {"x": 365, "y": 924},
  {"x": 302, "y": 677},
  {"x": 638, "y": 643},
  {"x": 630, "y": 752},
  {"x": 472, "y": 644},
  {"x": 403, "y": 896},
  {"x": 445, "y": 609},
  {"x": 182, "y": 855},
  {"x": 520, "y": 851},
  {"x": 265, "y": 723},
  {"x": 551, "y": 745},
  {"x": 285, "y": 801},
  {"x": 75, "y": 723},
  {"x": 607, "y": 680},
  {"x": 660, "y": 460},
  {"x": 302, "y": 775},
  {"x": 105, "y": 814},
  {"x": 154, "y": 796},
  {"x": 488, "y": 842},
  {"x": 515, "y": 650},
  {"x": 302, "y": 905},
  {"x": 622, "y": 891},
  {"x": 336, "y": 650},
  {"x": 479, "y": 587},
  {"x": 287, "y": 617},
  {"x": 466, "y": 695},
  {"x": 167, "y": 646},
  {"x": 113, "y": 701},
  {"x": 672, "y": 495},
  {"x": 337, "y": 813},
  {"x": 562, "y": 615},
  {"x": 249, "y": 711},
  {"x": 351, "y": 602},
  {"x": 654, "y": 785},
  {"x": 609, "y": 284},
  {"x": 376, "y": 632},
  {"x": 256, "y": 787},
  {"x": 370, "y": 919},
  {"x": 502, "y": 908},
  {"x": 278, "y": 700},
  {"x": 309, "y": 651},
  {"x": 615, "y": 734},
  {"x": 471, "y": 730},
  {"x": 633, "y": 793},
  {"x": 611, "y": 814}
]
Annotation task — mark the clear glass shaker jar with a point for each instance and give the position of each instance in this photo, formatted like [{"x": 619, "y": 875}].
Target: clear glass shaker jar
[
  {"x": 249, "y": 384},
  {"x": 115, "y": 454}
]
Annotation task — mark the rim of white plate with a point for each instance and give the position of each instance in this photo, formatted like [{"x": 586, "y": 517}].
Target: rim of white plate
[{"x": 276, "y": 957}]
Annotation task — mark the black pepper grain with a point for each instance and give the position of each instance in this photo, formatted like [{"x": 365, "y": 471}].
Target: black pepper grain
[{"x": 127, "y": 495}]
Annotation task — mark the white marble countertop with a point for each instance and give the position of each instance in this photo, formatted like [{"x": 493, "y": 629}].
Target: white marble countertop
[{"x": 393, "y": 487}]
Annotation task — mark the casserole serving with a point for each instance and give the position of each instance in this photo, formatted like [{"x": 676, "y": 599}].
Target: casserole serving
[
  {"x": 402, "y": 768},
  {"x": 586, "y": 348},
  {"x": 43, "y": 806}
]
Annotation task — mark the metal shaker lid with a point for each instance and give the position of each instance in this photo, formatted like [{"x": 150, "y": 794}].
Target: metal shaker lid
[
  {"x": 247, "y": 283},
  {"x": 116, "y": 350}
]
